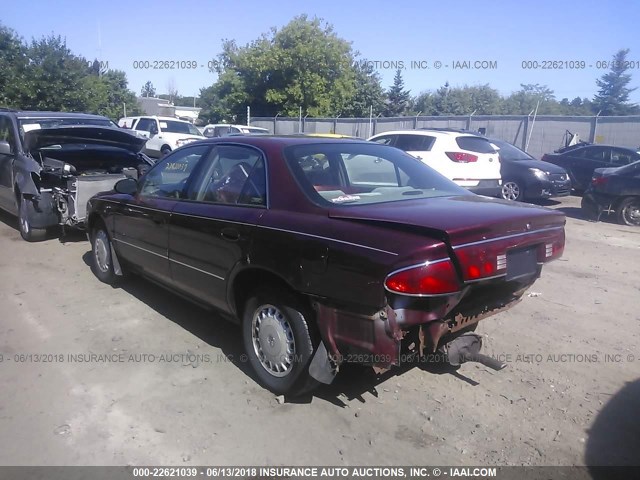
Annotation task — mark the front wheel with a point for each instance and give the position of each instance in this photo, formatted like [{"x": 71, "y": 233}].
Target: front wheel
[
  {"x": 512, "y": 190},
  {"x": 102, "y": 264},
  {"x": 164, "y": 151},
  {"x": 278, "y": 340},
  {"x": 628, "y": 211},
  {"x": 27, "y": 232}
]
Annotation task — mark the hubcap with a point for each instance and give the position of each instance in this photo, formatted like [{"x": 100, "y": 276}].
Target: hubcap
[
  {"x": 510, "y": 191},
  {"x": 101, "y": 251},
  {"x": 273, "y": 340},
  {"x": 632, "y": 213}
]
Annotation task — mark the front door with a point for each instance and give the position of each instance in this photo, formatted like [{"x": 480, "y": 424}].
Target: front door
[{"x": 141, "y": 225}]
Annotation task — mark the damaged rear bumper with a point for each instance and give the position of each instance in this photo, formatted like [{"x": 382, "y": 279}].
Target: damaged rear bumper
[{"x": 395, "y": 336}]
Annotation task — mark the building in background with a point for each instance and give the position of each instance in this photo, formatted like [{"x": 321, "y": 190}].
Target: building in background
[{"x": 163, "y": 108}]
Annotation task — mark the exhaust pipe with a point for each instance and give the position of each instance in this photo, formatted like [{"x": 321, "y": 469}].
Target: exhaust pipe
[{"x": 466, "y": 348}]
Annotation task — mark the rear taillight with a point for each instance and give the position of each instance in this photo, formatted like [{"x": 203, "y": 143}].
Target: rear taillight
[
  {"x": 435, "y": 278},
  {"x": 596, "y": 181},
  {"x": 461, "y": 157},
  {"x": 545, "y": 158}
]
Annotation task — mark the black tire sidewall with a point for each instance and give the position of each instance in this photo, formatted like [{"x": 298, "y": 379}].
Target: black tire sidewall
[
  {"x": 298, "y": 318},
  {"x": 32, "y": 235},
  {"x": 620, "y": 210},
  {"x": 109, "y": 276}
]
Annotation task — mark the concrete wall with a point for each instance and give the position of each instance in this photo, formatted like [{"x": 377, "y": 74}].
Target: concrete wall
[{"x": 543, "y": 135}]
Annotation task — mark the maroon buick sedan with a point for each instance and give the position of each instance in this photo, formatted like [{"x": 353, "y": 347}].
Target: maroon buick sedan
[{"x": 325, "y": 250}]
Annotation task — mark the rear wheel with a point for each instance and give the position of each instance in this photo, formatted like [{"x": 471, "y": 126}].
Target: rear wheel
[
  {"x": 512, "y": 190},
  {"x": 589, "y": 209},
  {"x": 164, "y": 151},
  {"x": 27, "y": 232},
  {"x": 277, "y": 337},
  {"x": 628, "y": 211}
]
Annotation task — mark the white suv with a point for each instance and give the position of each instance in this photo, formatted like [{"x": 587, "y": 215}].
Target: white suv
[
  {"x": 469, "y": 160},
  {"x": 223, "y": 129},
  {"x": 164, "y": 133}
]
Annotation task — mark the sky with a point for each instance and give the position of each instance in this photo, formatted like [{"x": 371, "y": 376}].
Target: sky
[{"x": 498, "y": 34}]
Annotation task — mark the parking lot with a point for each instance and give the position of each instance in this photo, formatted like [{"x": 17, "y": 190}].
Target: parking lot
[{"x": 95, "y": 375}]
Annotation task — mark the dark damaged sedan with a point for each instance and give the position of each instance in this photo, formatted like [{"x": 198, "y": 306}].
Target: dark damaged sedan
[
  {"x": 326, "y": 251},
  {"x": 51, "y": 163}
]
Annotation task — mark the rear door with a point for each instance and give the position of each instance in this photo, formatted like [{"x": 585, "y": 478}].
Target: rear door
[
  {"x": 141, "y": 225},
  {"x": 211, "y": 231},
  {"x": 584, "y": 161}
]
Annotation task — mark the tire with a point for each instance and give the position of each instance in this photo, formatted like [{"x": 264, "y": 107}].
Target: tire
[
  {"x": 101, "y": 261},
  {"x": 628, "y": 211},
  {"x": 512, "y": 190},
  {"x": 278, "y": 340},
  {"x": 164, "y": 151},
  {"x": 27, "y": 232},
  {"x": 589, "y": 209}
]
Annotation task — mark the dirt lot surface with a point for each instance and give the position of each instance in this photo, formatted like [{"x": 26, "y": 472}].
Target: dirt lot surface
[{"x": 569, "y": 395}]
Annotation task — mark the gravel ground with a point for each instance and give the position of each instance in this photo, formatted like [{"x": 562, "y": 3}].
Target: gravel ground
[{"x": 568, "y": 396}]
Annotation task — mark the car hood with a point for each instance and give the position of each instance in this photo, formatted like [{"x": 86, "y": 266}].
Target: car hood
[
  {"x": 81, "y": 134},
  {"x": 461, "y": 219},
  {"x": 544, "y": 166}
]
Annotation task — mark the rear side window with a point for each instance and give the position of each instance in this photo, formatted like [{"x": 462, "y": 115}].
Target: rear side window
[
  {"x": 475, "y": 144},
  {"x": 384, "y": 140},
  {"x": 412, "y": 143}
]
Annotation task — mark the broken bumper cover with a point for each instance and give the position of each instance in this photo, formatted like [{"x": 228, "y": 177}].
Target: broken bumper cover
[{"x": 391, "y": 337}]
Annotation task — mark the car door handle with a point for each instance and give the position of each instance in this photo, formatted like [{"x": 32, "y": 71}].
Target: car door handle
[{"x": 230, "y": 234}]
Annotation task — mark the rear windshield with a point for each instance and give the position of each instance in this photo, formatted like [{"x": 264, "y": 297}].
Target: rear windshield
[
  {"x": 364, "y": 173},
  {"x": 475, "y": 144}
]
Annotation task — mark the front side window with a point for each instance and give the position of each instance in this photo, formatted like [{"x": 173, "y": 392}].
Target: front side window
[
  {"x": 415, "y": 143},
  {"x": 6, "y": 132},
  {"x": 364, "y": 173},
  {"x": 169, "y": 177},
  {"x": 233, "y": 175},
  {"x": 144, "y": 124}
]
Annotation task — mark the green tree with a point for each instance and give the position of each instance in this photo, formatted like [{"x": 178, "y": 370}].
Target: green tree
[
  {"x": 304, "y": 64},
  {"x": 368, "y": 93},
  {"x": 148, "y": 90},
  {"x": 13, "y": 62},
  {"x": 398, "y": 99},
  {"x": 530, "y": 96},
  {"x": 613, "y": 96}
]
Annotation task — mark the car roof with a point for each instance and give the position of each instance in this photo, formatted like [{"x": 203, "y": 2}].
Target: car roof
[
  {"x": 580, "y": 147},
  {"x": 430, "y": 133},
  {"x": 282, "y": 140},
  {"x": 37, "y": 114}
]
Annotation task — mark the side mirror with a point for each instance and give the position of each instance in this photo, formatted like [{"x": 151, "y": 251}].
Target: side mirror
[
  {"x": 126, "y": 185},
  {"x": 5, "y": 148}
]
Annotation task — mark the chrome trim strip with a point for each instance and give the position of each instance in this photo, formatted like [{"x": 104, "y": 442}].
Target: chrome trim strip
[
  {"x": 268, "y": 228},
  {"x": 506, "y": 237},
  {"x": 170, "y": 259},
  {"x": 140, "y": 248},
  {"x": 198, "y": 269},
  {"x": 485, "y": 278}
]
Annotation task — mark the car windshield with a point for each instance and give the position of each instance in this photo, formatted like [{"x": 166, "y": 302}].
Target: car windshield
[
  {"x": 364, "y": 173},
  {"x": 171, "y": 126},
  {"x": 28, "y": 124},
  {"x": 509, "y": 152}
]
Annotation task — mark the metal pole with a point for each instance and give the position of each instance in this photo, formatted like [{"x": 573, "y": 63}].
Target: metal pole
[
  {"x": 248, "y": 116},
  {"x": 304, "y": 122},
  {"x": 275, "y": 123},
  {"x": 415, "y": 120},
  {"x": 532, "y": 124},
  {"x": 300, "y": 121},
  {"x": 124, "y": 105},
  {"x": 370, "y": 121}
]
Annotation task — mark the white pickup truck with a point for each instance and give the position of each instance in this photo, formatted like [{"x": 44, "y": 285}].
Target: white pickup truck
[{"x": 164, "y": 133}]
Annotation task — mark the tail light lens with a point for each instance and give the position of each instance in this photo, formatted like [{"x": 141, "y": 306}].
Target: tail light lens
[
  {"x": 435, "y": 278},
  {"x": 461, "y": 157},
  {"x": 545, "y": 157},
  {"x": 596, "y": 181}
]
